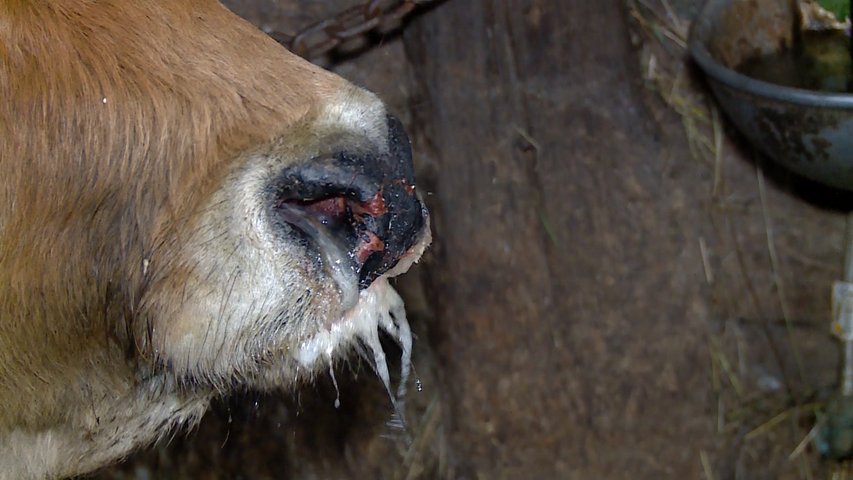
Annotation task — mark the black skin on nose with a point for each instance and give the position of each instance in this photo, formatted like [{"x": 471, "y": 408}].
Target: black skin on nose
[{"x": 366, "y": 201}]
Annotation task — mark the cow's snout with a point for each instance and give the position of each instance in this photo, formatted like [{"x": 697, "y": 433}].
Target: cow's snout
[{"x": 360, "y": 208}]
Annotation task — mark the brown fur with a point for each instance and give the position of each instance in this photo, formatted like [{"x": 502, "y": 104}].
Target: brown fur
[{"x": 120, "y": 122}]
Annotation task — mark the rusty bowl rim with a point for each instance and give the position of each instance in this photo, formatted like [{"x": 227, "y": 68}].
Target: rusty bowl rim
[{"x": 700, "y": 34}]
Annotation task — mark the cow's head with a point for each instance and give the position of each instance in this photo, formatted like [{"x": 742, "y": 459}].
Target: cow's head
[{"x": 185, "y": 207}]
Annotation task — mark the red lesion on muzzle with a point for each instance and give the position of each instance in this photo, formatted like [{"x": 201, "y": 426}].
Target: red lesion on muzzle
[
  {"x": 334, "y": 207},
  {"x": 367, "y": 246},
  {"x": 368, "y": 243},
  {"x": 339, "y": 211},
  {"x": 375, "y": 207}
]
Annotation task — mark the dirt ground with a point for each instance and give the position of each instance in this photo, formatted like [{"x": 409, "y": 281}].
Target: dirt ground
[{"x": 619, "y": 287}]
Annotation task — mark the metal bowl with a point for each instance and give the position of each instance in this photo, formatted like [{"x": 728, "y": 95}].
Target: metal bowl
[{"x": 808, "y": 132}]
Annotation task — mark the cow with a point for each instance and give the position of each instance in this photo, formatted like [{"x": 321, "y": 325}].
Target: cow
[{"x": 186, "y": 208}]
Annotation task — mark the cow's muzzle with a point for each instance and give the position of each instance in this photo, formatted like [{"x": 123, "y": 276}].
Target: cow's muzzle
[{"x": 363, "y": 204}]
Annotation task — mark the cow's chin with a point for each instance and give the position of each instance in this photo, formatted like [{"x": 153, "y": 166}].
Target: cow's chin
[
  {"x": 376, "y": 309},
  {"x": 278, "y": 319}
]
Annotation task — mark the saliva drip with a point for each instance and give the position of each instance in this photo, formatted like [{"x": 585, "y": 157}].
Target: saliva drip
[
  {"x": 335, "y": 383},
  {"x": 394, "y": 322}
]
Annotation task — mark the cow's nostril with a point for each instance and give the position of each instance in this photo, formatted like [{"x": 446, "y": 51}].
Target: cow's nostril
[
  {"x": 371, "y": 235},
  {"x": 361, "y": 210},
  {"x": 351, "y": 221}
]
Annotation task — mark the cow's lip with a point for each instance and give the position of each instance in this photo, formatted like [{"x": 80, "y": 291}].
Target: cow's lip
[{"x": 416, "y": 251}]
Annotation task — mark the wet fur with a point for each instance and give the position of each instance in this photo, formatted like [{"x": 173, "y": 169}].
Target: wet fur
[{"x": 138, "y": 276}]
